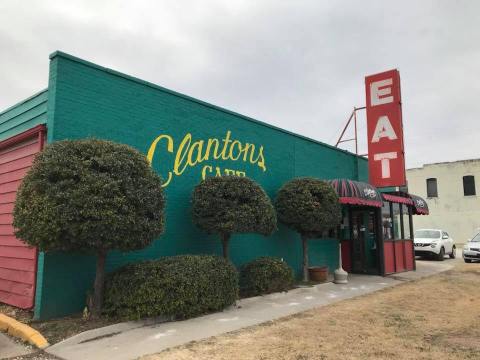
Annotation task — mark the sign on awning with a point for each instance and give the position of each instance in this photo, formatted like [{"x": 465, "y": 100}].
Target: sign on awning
[{"x": 356, "y": 193}]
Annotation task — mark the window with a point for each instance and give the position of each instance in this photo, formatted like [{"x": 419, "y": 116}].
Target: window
[
  {"x": 407, "y": 225},
  {"x": 396, "y": 221},
  {"x": 427, "y": 234},
  {"x": 387, "y": 221},
  {"x": 476, "y": 238},
  {"x": 397, "y": 218},
  {"x": 469, "y": 185},
  {"x": 432, "y": 188}
]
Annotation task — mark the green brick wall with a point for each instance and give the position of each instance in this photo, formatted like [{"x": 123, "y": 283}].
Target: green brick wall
[{"x": 86, "y": 100}]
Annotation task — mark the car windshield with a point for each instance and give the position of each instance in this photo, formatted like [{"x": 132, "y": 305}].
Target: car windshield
[
  {"x": 427, "y": 234},
  {"x": 476, "y": 238}
]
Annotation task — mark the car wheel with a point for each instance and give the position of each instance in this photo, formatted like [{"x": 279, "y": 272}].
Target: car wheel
[
  {"x": 468, "y": 260},
  {"x": 441, "y": 254},
  {"x": 453, "y": 254}
]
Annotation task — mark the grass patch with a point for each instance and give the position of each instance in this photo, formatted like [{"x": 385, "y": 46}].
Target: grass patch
[{"x": 424, "y": 319}]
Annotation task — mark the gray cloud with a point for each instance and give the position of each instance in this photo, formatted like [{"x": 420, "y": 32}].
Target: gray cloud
[{"x": 299, "y": 65}]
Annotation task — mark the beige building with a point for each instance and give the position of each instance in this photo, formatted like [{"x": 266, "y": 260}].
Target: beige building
[{"x": 451, "y": 190}]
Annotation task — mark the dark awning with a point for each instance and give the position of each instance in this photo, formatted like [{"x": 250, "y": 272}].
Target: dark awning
[
  {"x": 420, "y": 206},
  {"x": 356, "y": 192},
  {"x": 397, "y": 199}
]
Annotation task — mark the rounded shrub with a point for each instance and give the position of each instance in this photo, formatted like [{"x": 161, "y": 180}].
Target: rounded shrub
[
  {"x": 89, "y": 195},
  {"x": 178, "y": 287},
  {"x": 230, "y": 205},
  {"x": 93, "y": 196},
  {"x": 310, "y": 207},
  {"x": 265, "y": 275}
]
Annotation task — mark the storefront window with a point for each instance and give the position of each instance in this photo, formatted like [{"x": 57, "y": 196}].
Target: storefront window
[
  {"x": 406, "y": 222},
  {"x": 396, "y": 221},
  {"x": 386, "y": 221}
]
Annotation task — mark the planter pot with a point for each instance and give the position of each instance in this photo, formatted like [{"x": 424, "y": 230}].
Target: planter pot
[{"x": 318, "y": 273}]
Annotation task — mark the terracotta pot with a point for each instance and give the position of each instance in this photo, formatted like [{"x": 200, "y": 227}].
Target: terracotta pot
[{"x": 318, "y": 273}]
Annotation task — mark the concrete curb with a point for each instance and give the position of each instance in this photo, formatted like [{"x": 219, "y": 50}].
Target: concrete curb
[{"x": 22, "y": 331}]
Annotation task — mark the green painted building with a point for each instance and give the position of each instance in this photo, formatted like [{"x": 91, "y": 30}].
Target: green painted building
[{"x": 185, "y": 139}]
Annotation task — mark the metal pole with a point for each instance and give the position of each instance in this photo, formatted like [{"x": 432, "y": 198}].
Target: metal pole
[
  {"x": 356, "y": 137},
  {"x": 344, "y": 129},
  {"x": 410, "y": 224}
]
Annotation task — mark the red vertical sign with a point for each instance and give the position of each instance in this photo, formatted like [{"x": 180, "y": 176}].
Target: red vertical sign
[{"x": 386, "y": 157}]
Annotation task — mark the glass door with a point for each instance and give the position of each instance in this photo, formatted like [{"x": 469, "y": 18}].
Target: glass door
[{"x": 364, "y": 242}]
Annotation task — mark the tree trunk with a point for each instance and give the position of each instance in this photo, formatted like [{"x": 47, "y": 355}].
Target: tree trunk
[
  {"x": 225, "y": 238},
  {"x": 99, "y": 284},
  {"x": 305, "y": 258}
]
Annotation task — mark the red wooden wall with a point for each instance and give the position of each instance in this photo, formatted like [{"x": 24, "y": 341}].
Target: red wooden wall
[
  {"x": 18, "y": 262},
  {"x": 398, "y": 256}
]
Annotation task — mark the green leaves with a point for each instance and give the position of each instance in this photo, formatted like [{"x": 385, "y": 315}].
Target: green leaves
[
  {"x": 89, "y": 195},
  {"x": 232, "y": 204},
  {"x": 264, "y": 276},
  {"x": 177, "y": 287},
  {"x": 309, "y": 206}
]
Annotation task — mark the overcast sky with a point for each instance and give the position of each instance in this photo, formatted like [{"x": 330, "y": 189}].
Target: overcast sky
[{"x": 299, "y": 65}]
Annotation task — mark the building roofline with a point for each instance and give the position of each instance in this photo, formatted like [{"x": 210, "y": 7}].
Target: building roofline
[
  {"x": 444, "y": 163},
  {"x": 23, "y": 101},
  {"x": 174, "y": 93}
]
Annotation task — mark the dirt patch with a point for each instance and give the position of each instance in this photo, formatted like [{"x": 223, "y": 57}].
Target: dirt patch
[
  {"x": 56, "y": 330},
  {"x": 59, "y": 329},
  {"x": 24, "y": 316},
  {"x": 433, "y": 318}
]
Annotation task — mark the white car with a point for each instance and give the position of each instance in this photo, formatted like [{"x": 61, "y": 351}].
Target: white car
[
  {"x": 471, "y": 250},
  {"x": 434, "y": 242}
]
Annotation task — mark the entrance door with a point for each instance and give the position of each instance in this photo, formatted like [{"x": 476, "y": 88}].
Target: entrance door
[
  {"x": 358, "y": 242},
  {"x": 364, "y": 249}
]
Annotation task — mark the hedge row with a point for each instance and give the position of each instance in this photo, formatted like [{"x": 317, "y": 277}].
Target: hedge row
[
  {"x": 265, "y": 275},
  {"x": 177, "y": 287},
  {"x": 180, "y": 287}
]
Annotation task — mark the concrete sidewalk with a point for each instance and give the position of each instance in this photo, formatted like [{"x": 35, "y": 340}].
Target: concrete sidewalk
[
  {"x": 10, "y": 348},
  {"x": 133, "y": 339}
]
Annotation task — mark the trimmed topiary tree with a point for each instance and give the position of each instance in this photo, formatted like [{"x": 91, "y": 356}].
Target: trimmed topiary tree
[
  {"x": 90, "y": 195},
  {"x": 310, "y": 207},
  {"x": 232, "y": 204},
  {"x": 177, "y": 287},
  {"x": 265, "y": 275}
]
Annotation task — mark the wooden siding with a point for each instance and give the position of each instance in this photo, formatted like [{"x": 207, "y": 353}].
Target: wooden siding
[
  {"x": 18, "y": 262},
  {"x": 24, "y": 115}
]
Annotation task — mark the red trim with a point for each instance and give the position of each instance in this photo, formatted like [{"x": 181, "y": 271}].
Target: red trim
[
  {"x": 421, "y": 211},
  {"x": 23, "y": 136},
  {"x": 397, "y": 199},
  {"x": 358, "y": 201},
  {"x": 346, "y": 259}
]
